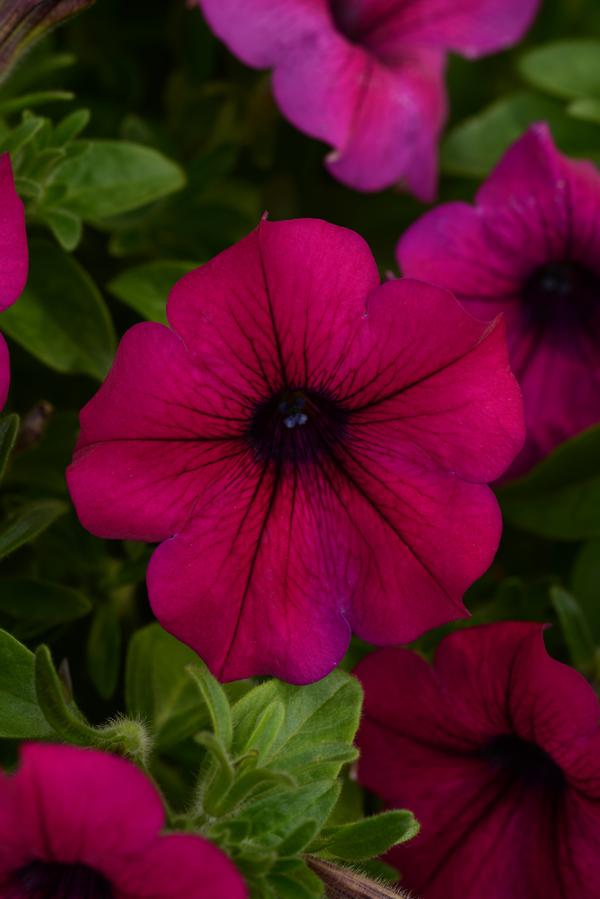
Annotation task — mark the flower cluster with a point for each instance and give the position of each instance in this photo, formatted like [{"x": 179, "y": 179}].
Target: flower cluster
[
  {"x": 529, "y": 249},
  {"x": 310, "y": 447},
  {"x": 367, "y": 76},
  {"x": 495, "y": 748},
  {"x": 313, "y": 454},
  {"x": 81, "y": 824}
]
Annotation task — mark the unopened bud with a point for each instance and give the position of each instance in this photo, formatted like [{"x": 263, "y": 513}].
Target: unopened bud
[
  {"x": 22, "y": 22},
  {"x": 346, "y": 883}
]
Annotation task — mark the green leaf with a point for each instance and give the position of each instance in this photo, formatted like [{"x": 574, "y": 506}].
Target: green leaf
[
  {"x": 113, "y": 177},
  {"x": 474, "y": 146},
  {"x": 575, "y": 629},
  {"x": 38, "y": 98},
  {"x": 367, "y": 838},
  {"x": 20, "y": 715},
  {"x": 568, "y": 68},
  {"x": 32, "y": 607},
  {"x": 216, "y": 701},
  {"x": 277, "y": 815},
  {"x": 560, "y": 497},
  {"x": 66, "y": 226},
  {"x": 69, "y": 128},
  {"x": 19, "y": 137},
  {"x": 292, "y": 879},
  {"x": 158, "y": 688},
  {"x": 9, "y": 428},
  {"x": 104, "y": 650},
  {"x": 27, "y": 523},
  {"x": 585, "y": 584},
  {"x": 146, "y": 287},
  {"x": 588, "y": 110},
  {"x": 58, "y": 708},
  {"x": 61, "y": 317},
  {"x": 317, "y": 717}
]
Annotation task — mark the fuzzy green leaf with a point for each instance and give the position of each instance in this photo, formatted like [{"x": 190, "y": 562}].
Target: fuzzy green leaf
[
  {"x": 158, "y": 688},
  {"x": 367, "y": 838},
  {"x": 317, "y": 716}
]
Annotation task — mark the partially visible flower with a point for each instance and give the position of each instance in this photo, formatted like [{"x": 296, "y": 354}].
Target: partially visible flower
[
  {"x": 310, "y": 447},
  {"x": 496, "y": 750},
  {"x": 530, "y": 248},
  {"x": 13, "y": 258},
  {"x": 22, "y": 22},
  {"x": 81, "y": 824},
  {"x": 367, "y": 76}
]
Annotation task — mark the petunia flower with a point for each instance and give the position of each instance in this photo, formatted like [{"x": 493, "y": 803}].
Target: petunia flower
[
  {"x": 310, "y": 446},
  {"x": 81, "y": 824},
  {"x": 367, "y": 76},
  {"x": 13, "y": 258},
  {"x": 530, "y": 248},
  {"x": 496, "y": 750}
]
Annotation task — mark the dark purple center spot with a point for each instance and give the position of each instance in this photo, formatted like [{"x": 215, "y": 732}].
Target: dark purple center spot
[
  {"x": 53, "y": 880},
  {"x": 344, "y": 19},
  {"x": 561, "y": 295},
  {"x": 523, "y": 760},
  {"x": 296, "y": 426}
]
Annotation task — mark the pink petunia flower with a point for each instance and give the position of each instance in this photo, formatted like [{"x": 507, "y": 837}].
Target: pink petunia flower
[
  {"x": 367, "y": 76},
  {"x": 496, "y": 750},
  {"x": 81, "y": 824},
  {"x": 530, "y": 248},
  {"x": 13, "y": 258},
  {"x": 312, "y": 448}
]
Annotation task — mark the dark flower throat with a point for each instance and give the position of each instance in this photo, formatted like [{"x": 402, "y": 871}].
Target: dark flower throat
[
  {"x": 561, "y": 295},
  {"x": 53, "y": 880},
  {"x": 524, "y": 760},
  {"x": 296, "y": 426}
]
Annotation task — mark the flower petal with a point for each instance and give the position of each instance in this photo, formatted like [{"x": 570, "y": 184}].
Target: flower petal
[
  {"x": 269, "y": 591},
  {"x": 151, "y": 437},
  {"x": 181, "y": 866},
  {"x": 79, "y": 805},
  {"x": 281, "y": 305},
  {"x": 469, "y": 27},
  {"x": 260, "y": 32},
  {"x": 423, "y": 537},
  {"x": 455, "y": 248},
  {"x": 13, "y": 239},
  {"x": 397, "y": 113},
  {"x": 435, "y": 378}
]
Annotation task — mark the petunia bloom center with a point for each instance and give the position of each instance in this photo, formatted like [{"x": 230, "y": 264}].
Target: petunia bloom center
[
  {"x": 523, "y": 760},
  {"x": 561, "y": 295},
  {"x": 296, "y": 426},
  {"x": 54, "y": 880}
]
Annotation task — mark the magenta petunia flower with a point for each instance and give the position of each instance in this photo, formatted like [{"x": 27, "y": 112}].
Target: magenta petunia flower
[
  {"x": 496, "y": 750},
  {"x": 367, "y": 76},
  {"x": 81, "y": 824},
  {"x": 13, "y": 258},
  {"x": 530, "y": 248},
  {"x": 312, "y": 448}
]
